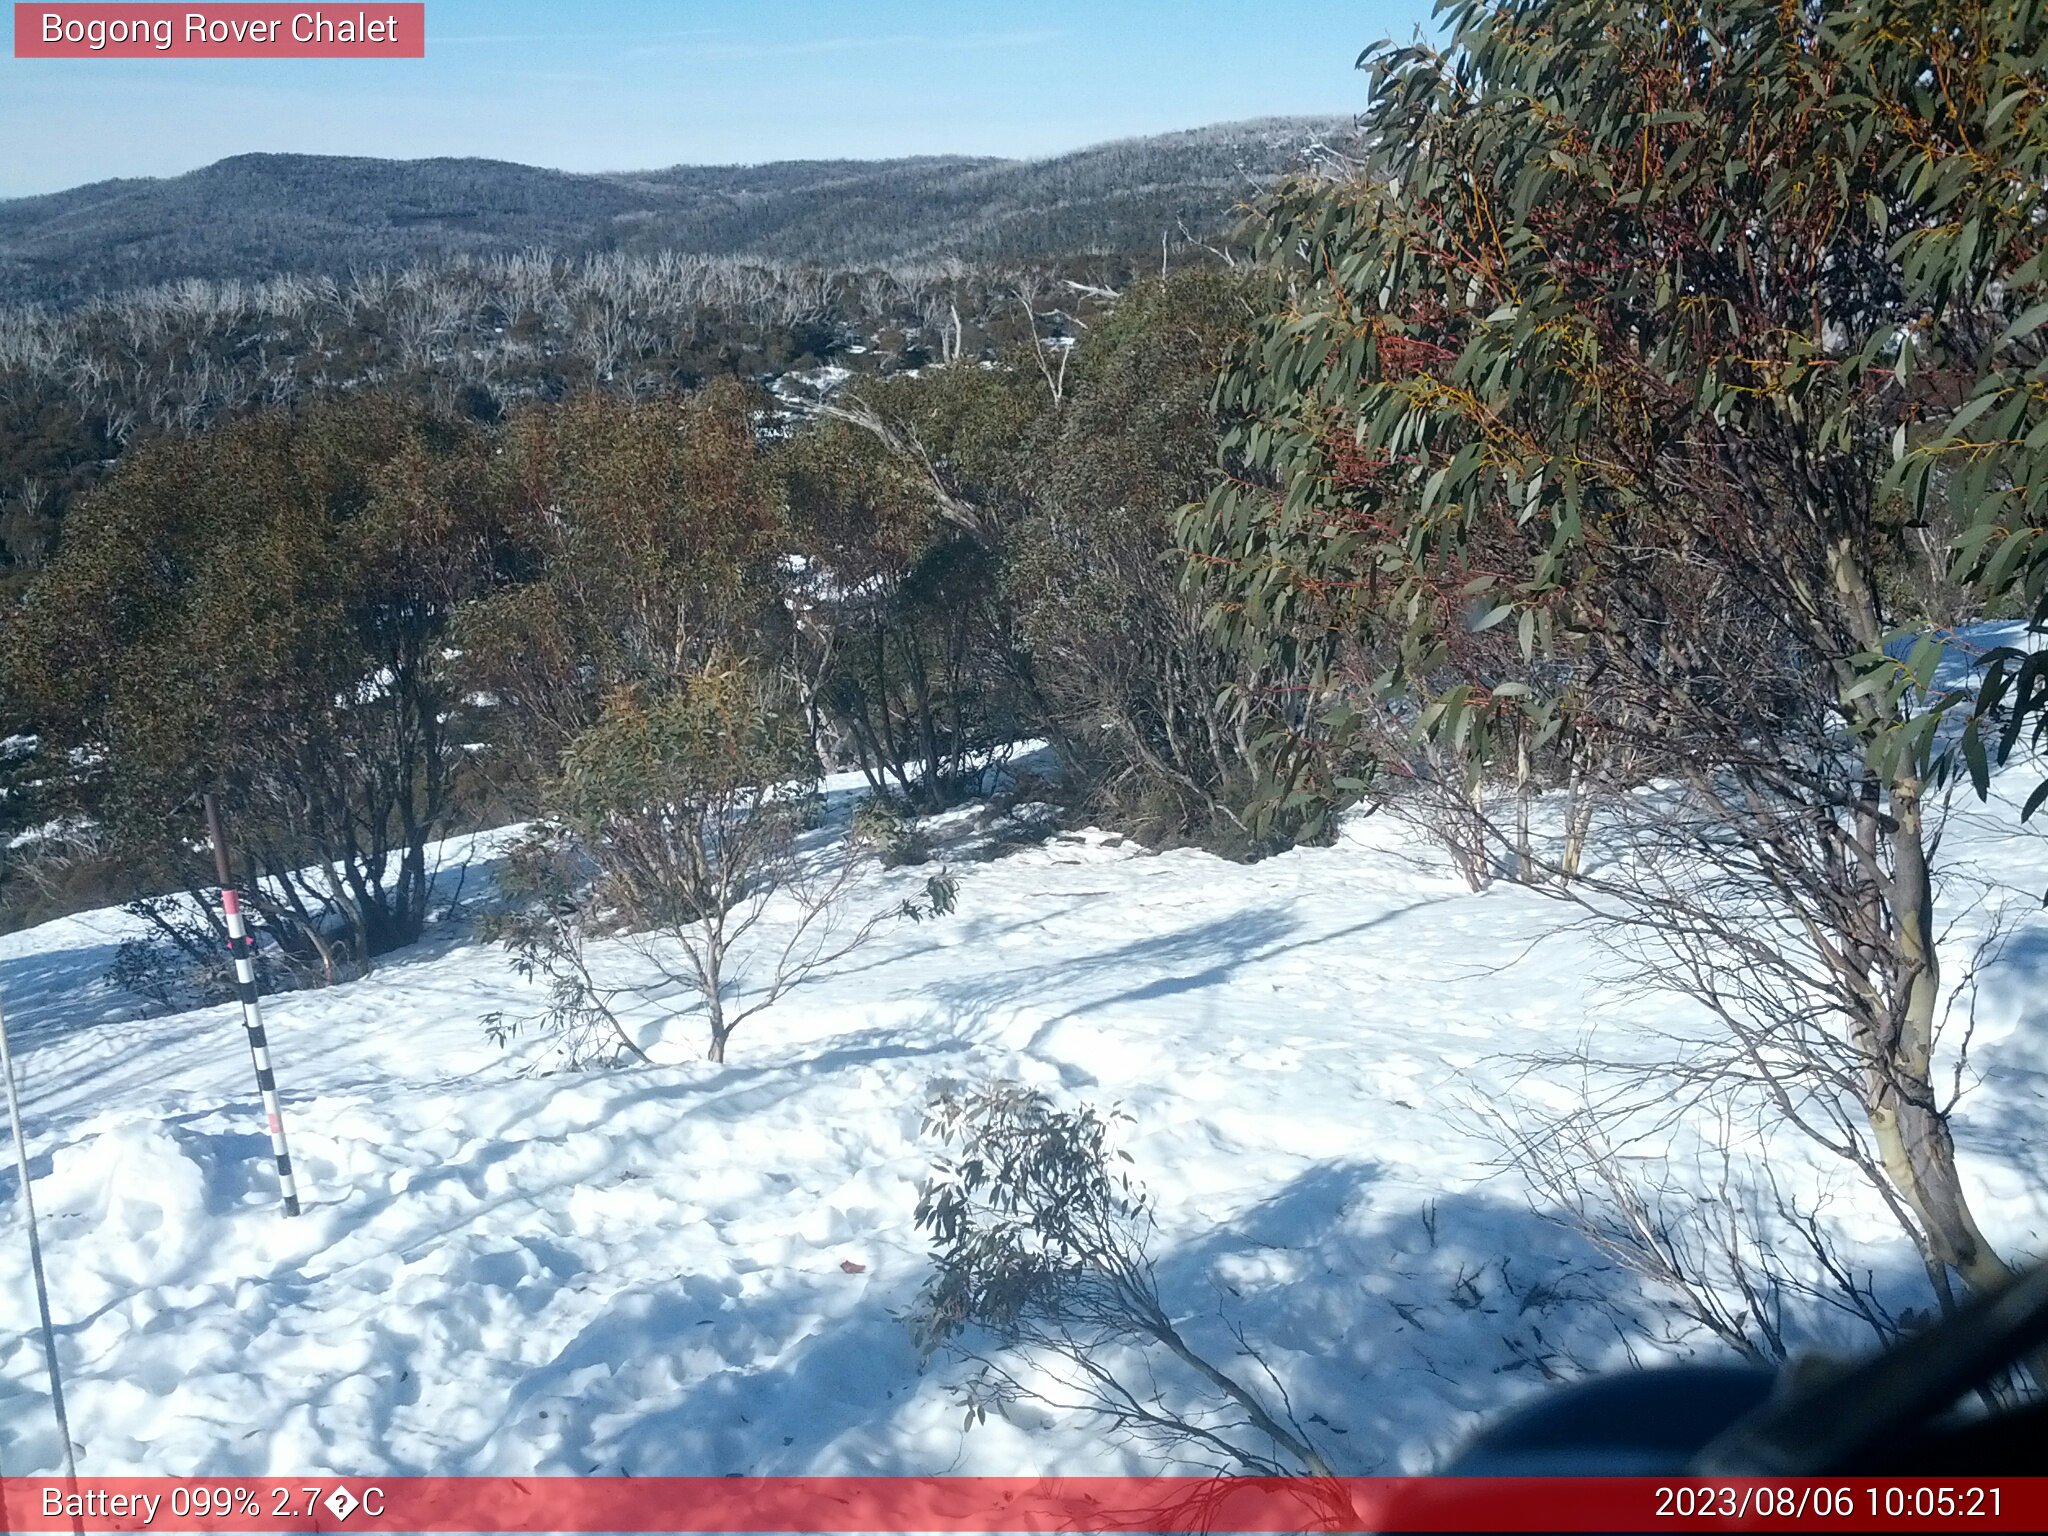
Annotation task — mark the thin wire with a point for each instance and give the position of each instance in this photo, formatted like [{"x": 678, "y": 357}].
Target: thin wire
[{"x": 35, "y": 1255}]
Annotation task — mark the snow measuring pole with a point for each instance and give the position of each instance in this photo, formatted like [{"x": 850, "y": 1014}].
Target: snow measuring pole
[
  {"x": 35, "y": 1257},
  {"x": 242, "y": 951}
]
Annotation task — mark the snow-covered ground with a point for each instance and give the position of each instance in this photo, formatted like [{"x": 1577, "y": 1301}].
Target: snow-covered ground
[{"x": 697, "y": 1269}]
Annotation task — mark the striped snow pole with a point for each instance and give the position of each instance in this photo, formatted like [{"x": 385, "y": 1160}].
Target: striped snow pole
[
  {"x": 242, "y": 951},
  {"x": 35, "y": 1263}
]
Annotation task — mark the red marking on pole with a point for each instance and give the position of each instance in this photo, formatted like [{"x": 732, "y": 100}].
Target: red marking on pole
[{"x": 243, "y": 947}]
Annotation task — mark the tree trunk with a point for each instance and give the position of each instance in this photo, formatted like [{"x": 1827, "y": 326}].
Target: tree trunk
[
  {"x": 1525, "y": 789},
  {"x": 1912, "y": 1132},
  {"x": 1578, "y": 824},
  {"x": 711, "y": 981},
  {"x": 1470, "y": 800}
]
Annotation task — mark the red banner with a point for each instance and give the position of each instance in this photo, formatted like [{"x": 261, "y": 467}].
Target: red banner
[
  {"x": 989, "y": 1504},
  {"x": 265, "y": 31}
]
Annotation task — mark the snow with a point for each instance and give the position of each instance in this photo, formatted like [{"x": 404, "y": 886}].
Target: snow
[
  {"x": 815, "y": 383},
  {"x": 49, "y": 831},
  {"x": 644, "y": 1270},
  {"x": 1960, "y": 664}
]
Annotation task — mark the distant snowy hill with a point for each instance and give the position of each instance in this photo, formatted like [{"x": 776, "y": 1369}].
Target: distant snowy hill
[{"x": 257, "y": 215}]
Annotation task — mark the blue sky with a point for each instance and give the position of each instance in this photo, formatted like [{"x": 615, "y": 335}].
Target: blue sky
[{"x": 644, "y": 83}]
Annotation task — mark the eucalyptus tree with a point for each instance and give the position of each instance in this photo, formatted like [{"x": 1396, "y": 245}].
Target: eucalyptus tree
[
  {"x": 1657, "y": 339},
  {"x": 263, "y": 611}
]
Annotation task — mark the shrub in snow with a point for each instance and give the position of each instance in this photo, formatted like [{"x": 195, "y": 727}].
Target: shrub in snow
[
  {"x": 261, "y": 611},
  {"x": 905, "y": 639},
  {"x": 941, "y": 894},
  {"x": 1039, "y": 1240},
  {"x": 682, "y": 826},
  {"x": 895, "y": 838},
  {"x": 176, "y": 965},
  {"x": 545, "y": 916},
  {"x": 648, "y": 535}
]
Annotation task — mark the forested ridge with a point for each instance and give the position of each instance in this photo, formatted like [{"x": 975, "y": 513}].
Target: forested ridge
[
  {"x": 257, "y": 215},
  {"x": 145, "y": 307}
]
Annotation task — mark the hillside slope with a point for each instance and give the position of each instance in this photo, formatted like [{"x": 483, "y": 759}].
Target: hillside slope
[
  {"x": 253, "y": 216},
  {"x": 689, "y": 1269}
]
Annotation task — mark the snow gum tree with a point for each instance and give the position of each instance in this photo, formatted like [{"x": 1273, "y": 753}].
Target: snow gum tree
[
  {"x": 646, "y": 537},
  {"x": 991, "y": 554},
  {"x": 641, "y": 680},
  {"x": 905, "y": 647},
  {"x": 263, "y": 610},
  {"x": 1136, "y": 688},
  {"x": 1659, "y": 339},
  {"x": 678, "y": 827}
]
